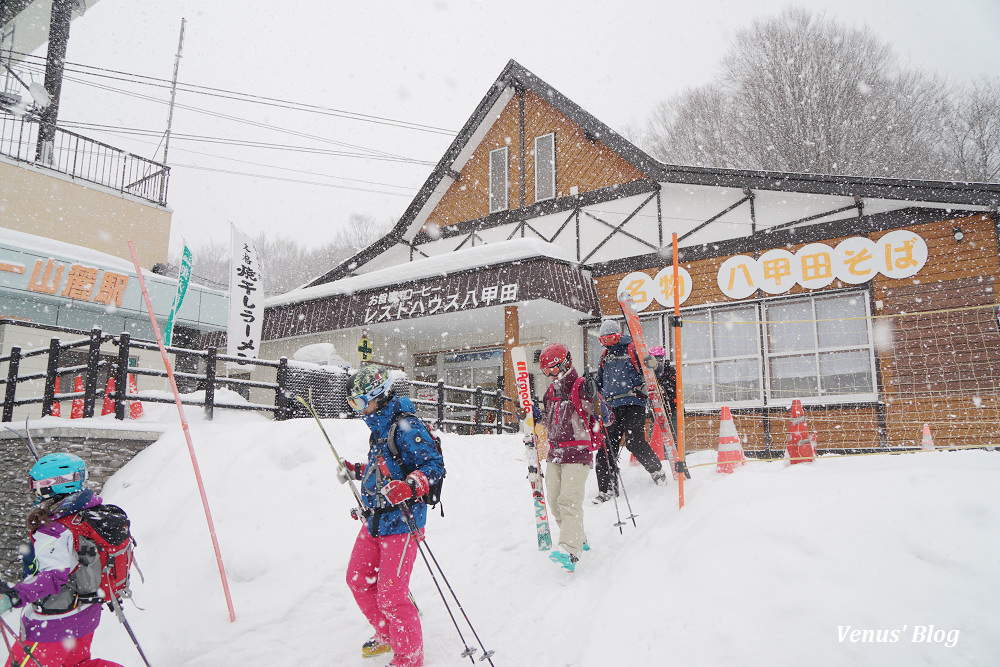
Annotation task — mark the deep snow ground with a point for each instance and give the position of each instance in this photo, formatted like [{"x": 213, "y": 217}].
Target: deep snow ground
[{"x": 774, "y": 565}]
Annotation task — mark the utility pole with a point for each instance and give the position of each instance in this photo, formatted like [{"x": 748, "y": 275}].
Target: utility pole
[
  {"x": 170, "y": 113},
  {"x": 173, "y": 92},
  {"x": 55, "y": 60}
]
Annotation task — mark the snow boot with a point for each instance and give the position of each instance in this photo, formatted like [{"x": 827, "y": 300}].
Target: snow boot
[
  {"x": 603, "y": 497},
  {"x": 374, "y": 647},
  {"x": 565, "y": 560},
  {"x": 660, "y": 478}
]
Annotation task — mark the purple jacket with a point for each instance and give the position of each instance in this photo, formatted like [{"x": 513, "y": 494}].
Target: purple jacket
[
  {"x": 56, "y": 559},
  {"x": 568, "y": 433}
]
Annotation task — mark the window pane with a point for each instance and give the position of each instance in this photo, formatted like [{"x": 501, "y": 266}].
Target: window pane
[
  {"x": 735, "y": 333},
  {"x": 697, "y": 383},
  {"x": 594, "y": 348},
  {"x": 696, "y": 336},
  {"x": 545, "y": 167},
  {"x": 841, "y": 321},
  {"x": 793, "y": 377},
  {"x": 790, "y": 327},
  {"x": 846, "y": 372},
  {"x": 737, "y": 381},
  {"x": 651, "y": 332},
  {"x": 498, "y": 180}
]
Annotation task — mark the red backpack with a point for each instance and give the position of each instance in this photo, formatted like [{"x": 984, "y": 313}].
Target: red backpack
[{"x": 103, "y": 543}]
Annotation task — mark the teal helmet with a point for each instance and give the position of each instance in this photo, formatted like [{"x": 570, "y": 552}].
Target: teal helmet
[
  {"x": 368, "y": 384},
  {"x": 57, "y": 474}
]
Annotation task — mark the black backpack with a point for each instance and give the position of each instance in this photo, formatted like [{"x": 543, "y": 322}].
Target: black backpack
[{"x": 433, "y": 496}]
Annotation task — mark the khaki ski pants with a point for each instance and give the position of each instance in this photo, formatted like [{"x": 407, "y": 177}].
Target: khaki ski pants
[{"x": 566, "y": 483}]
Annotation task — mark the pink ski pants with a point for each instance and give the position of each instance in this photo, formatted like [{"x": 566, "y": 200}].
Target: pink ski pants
[
  {"x": 55, "y": 654},
  {"x": 379, "y": 576}
]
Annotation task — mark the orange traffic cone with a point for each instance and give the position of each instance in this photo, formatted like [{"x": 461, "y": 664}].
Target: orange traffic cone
[
  {"x": 134, "y": 407},
  {"x": 927, "y": 442},
  {"x": 56, "y": 407},
  {"x": 799, "y": 447},
  {"x": 77, "y": 410},
  {"x": 109, "y": 405},
  {"x": 730, "y": 450}
]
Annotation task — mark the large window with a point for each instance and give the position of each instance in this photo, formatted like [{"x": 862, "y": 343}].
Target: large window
[
  {"x": 815, "y": 348},
  {"x": 721, "y": 352},
  {"x": 819, "y": 347},
  {"x": 498, "y": 180},
  {"x": 545, "y": 167}
]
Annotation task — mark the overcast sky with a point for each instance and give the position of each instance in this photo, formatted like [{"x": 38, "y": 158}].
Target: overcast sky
[{"x": 423, "y": 62}]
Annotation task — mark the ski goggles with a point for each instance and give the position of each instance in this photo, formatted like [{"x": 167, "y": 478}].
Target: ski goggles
[
  {"x": 360, "y": 401},
  {"x": 609, "y": 339},
  {"x": 36, "y": 485}
]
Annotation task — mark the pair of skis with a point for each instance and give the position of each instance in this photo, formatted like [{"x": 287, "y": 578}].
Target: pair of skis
[{"x": 519, "y": 359}]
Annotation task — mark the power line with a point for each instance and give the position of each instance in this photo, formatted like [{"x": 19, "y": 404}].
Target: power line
[{"x": 251, "y": 98}]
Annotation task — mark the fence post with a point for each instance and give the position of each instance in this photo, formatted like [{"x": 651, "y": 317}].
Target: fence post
[
  {"x": 281, "y": 398},
  {"x": 12, "y": 368},
  {"x": 498, "y": 409},
  {"x": 477, "y": 421},
  {"x": 51, "y": 370},
  {"x": 93, "y": 364},
  {"x": 121, "y": 375},
  {"x": 210, "y": 383},
  {"x": 440, "y": 405}
]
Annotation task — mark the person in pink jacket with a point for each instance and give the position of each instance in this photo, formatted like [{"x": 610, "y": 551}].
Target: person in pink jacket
[
  {"x": 56, "y": 628},
  {"x": 567, "y": 409}
]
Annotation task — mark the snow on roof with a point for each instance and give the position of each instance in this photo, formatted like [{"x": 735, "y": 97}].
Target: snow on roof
[
  {"x": 470, "y": 258},
  {"x": 39, "y": 244}
]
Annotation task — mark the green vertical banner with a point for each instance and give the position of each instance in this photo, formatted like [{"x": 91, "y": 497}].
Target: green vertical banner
[{"x": 183, "y": 278}]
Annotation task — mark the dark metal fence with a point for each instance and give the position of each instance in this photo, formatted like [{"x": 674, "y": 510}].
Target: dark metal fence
[
  {"x": 85, "y": 159},
  {"x": 483, "y": 412}
]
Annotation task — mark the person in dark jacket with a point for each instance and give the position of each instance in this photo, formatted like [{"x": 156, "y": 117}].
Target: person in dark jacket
[
  {"x": 378, "y": 572},
  {"x": 571, "y": 446},
  {"x": 624, "y": 389}
]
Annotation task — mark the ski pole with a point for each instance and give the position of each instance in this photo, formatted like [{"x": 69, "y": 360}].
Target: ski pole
[
  {"x": 117, "y": 608},
  {"x": 613, "y": 466},
  {"x": 421, "y": 547},
  {"x": 24, "y": 645}
]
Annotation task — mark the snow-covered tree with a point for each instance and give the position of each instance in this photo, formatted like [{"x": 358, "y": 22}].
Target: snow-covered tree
[
  {"x": 971, "y": 132},
  {"x": 801, "y": 93}
]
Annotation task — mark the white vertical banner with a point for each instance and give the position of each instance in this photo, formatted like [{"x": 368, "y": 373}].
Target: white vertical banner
[{"x": 246, "y": 299}]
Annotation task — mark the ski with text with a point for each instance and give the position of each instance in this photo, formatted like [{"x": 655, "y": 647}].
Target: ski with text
[
  {"x": 647, "y": 363},
  {"x": 519, "y": 359}
]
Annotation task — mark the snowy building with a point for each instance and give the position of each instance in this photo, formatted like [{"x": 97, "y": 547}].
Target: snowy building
[{"x": 793, "y": 286}]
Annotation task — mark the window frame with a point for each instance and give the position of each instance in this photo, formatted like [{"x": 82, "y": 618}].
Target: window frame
[
  {"x": 817, "y": 350},
  {"x": 765, "y": 355},
  {"x": 551, "y": 136},
  {"x": 494, "y": 193}
]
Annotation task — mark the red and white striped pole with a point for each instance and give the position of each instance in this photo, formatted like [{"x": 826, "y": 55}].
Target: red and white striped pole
[{"x": 187, "y": 432}]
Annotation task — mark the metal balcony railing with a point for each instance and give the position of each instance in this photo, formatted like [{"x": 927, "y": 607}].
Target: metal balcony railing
[{"x": 85, "y": 159}]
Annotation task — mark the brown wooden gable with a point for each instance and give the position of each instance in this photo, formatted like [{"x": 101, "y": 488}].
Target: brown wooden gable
[{"x": 586, "y": 164}]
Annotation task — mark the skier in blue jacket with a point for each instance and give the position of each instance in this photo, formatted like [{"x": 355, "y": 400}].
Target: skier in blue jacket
[
  {"x": 622, "y": 385},
  {"x": 378, "y": 572}
]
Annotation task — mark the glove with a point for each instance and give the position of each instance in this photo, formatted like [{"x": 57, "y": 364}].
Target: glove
[
  {"x": 415, "y": 486},
  {"x": 350, "y": 471}
]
